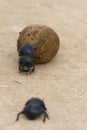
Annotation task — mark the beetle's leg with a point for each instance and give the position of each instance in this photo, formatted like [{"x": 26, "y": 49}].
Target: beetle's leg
[
  {"x": 32, "y": 69},
  {"x": 18, "y": 115},
  {"x": 45, "y": 116},
  {"x": 19, "y": 68}
]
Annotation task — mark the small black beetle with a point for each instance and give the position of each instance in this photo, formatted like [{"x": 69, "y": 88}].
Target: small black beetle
[
  {"x": 26, "y": 58},
  {"x": 33, "y": 109}
]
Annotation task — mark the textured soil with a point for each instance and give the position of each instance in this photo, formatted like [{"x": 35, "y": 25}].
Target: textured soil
[{"x": 61, "y": 83}]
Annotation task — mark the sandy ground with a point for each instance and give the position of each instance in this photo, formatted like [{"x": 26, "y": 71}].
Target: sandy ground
[{"x": 62, "y": 83}]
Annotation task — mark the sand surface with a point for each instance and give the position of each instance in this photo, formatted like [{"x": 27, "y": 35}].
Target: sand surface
[{"x": 61, "y": 83}]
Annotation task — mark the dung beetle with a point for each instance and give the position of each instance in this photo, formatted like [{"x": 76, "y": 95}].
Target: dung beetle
[
  {"x": 33, "y": 109},
  {"x": 26, "y": 58}
]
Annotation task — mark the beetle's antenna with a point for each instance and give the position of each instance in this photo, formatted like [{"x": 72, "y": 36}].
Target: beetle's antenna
[{"x": 18, "y": 115}]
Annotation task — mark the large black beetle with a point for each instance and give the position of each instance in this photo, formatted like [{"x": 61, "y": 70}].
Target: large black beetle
[
  {"x": 33, "y": 109},
  {"x": 26, "y": 58}
]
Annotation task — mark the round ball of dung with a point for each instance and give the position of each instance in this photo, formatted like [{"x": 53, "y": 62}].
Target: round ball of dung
[{"x": 43, "y": 39}]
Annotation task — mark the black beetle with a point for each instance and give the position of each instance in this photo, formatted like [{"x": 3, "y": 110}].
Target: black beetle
[
  {"x": 33, "y": 109},
  {"x": 26, "y": 58}
]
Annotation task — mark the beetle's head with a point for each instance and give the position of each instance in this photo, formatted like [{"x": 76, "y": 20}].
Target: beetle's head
[{"x": 26, "y": 64}]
